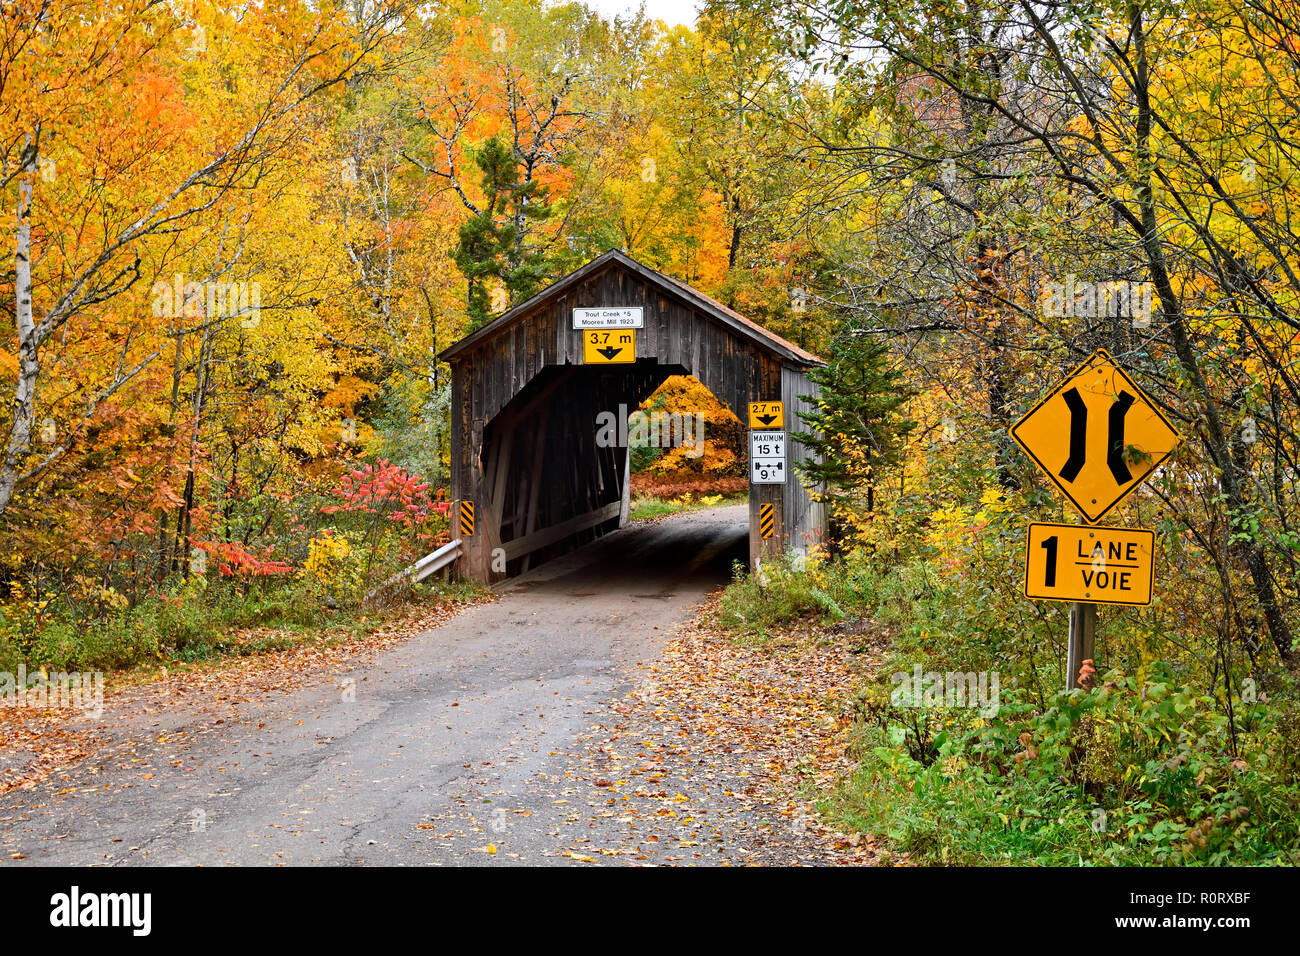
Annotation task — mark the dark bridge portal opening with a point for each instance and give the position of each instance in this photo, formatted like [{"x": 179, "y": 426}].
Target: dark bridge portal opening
[
  {"x": 555, "y": 479},
  {"x": 525, "y": 401}
]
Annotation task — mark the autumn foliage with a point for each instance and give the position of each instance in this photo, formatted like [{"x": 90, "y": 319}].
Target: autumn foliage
[{"x": 241, "y": 236}]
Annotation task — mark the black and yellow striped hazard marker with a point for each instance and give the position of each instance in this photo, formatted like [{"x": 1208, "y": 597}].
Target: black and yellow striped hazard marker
[
  {"x": 467, "y": 519},
  {"x": 766, "y": 520}
]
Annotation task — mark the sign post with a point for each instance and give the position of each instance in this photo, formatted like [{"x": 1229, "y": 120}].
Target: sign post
[
  {"x": 768, "y": 471},
  {"x": 1083, "y": 629},
  {"x": 1097, "y": 436}
]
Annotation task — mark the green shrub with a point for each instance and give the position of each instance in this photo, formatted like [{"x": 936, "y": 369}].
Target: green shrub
[
  {"x": 1133, "y": 773},
  {"x": 120, "y": 641},
  {"x": 188, "y": 621},
  {"x": 1144, "y": 770},
  {"x": 293, "y": 605},
  {"x": 792, "y": 588}
]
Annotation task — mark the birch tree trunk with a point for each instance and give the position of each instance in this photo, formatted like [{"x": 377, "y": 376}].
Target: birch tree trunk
[{"x": 24, "y": 409}]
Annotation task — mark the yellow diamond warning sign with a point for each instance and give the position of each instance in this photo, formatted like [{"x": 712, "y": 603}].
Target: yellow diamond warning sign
[
  {"x": 608, "y": 346},
  {"x": 1097, "y": 435},
  {"x": 1066, "y": 562}
]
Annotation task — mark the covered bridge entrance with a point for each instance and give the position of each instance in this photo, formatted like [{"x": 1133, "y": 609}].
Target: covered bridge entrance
[{"x": 534, "y": 471}]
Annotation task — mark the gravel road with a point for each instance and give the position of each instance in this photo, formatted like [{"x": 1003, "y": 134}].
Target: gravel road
[{"x": 456, "y": 746}]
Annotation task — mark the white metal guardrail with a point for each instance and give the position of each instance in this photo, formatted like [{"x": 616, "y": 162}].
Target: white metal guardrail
[
  {"x": 434, "y": 562},
  {"x": 428, "y": 565}
]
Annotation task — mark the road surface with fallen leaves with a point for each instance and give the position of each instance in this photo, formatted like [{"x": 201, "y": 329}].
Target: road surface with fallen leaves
[{"x": 585, "y": 716}]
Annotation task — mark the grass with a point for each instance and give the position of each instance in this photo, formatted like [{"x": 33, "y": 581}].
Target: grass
[
  {"x": 1144, "y": 769},
  {"x": 651, "y": 508},
  {"x": 194, "y": 625},
  {"x": 756, "y": 607}
]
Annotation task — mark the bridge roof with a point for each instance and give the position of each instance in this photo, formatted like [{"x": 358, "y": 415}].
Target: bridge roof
[{"x": 737, "y": 323}]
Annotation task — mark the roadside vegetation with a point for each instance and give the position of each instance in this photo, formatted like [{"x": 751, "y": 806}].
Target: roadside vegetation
[
  {"x": 1007, "y": 165},
  {"x": 1143, "y": 768},
  {"x": 650, "y": 508},
  {"x": 319, "y": 577},
  {"x": 209, "y": 623}
]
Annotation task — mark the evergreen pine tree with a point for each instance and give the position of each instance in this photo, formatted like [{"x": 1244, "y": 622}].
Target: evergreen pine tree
[
  {"x": 857, "y": 420},
  {"x": 527, "y": 267},
  {"x": 492, "y": 243}
]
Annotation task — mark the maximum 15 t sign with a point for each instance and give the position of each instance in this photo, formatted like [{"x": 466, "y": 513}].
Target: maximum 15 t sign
[{"x": 767, "y": 458}]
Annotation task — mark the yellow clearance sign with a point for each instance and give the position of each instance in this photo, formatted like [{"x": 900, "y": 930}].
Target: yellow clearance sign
[
  {"x": 1065, "y": 562},
  {"x": 608, "y": 346},
  {"x": 1097, "y": 436},
  {"x": 767, "y": 414}
]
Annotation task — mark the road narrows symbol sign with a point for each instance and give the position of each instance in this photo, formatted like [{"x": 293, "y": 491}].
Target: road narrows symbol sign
[
  {"x": 767, "y": 458},
  {"x": 767, "y": 414},
  {"x": 766, "y": 520},
  {"x": 466, "y": 519},
  {"x": 608, "y": 346},
  {"x": 1065, "y": 562},
  {"x": 1097, "y": 436}
]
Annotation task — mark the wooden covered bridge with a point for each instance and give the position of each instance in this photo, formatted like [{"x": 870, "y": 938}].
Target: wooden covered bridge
[{"x": 528, "y": 467}]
